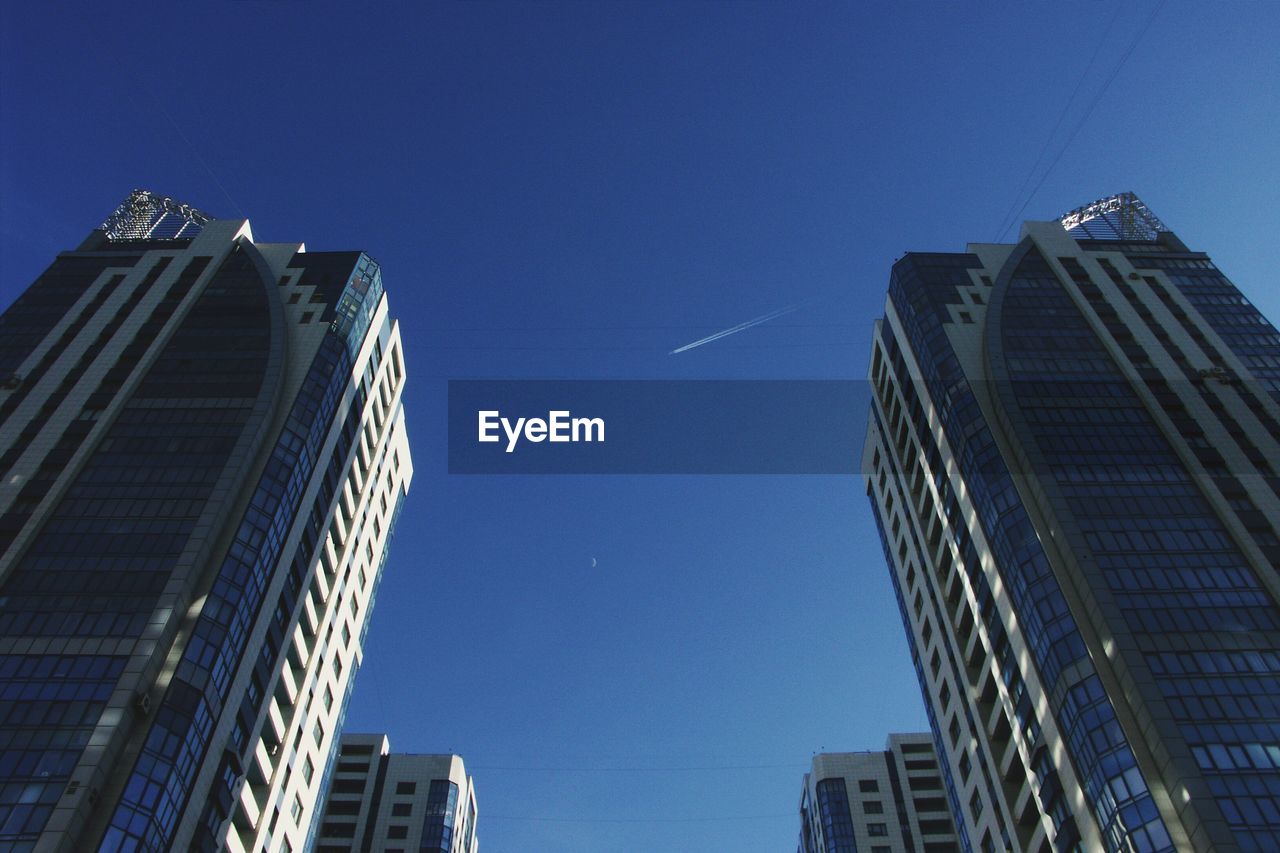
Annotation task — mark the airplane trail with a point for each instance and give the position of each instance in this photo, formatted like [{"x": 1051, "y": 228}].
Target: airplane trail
[{"x": 733, "y": 330}]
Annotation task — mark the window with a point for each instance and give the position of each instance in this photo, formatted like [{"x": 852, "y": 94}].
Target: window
[
  {"x": 877, "y": 829},
  {"x": 931, "y": 804},
  {"x": 975, "y": 806},
  {"x": 397, "y": 831},
  {"x": 834, "y": 815},
  {"x": 338, "y": 830},
  {"x": 401, "y": 809},
  {"x": 343, "y": 807},
  {"x": 295, "y": 811},
  {"x": 308, "y": 770},
  {"x": 868, "y": 785},
  {"x": 406, "y": 787},
  {"x": 873, "y": 807}
]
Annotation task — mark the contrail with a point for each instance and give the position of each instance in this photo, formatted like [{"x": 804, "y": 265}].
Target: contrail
[{"x": 733, "y": 330}]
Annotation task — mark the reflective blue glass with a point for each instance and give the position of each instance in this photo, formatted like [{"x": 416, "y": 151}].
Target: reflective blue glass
[
  {"x": 180, "y": 737},
  {"x": 1177, "y": 578},
  {"x": 921, "y": 288}
]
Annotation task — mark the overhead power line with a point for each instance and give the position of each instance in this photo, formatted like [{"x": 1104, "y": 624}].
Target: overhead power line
[
  {"x": 637, "y": 348},
  {"x": 789, "y": 766},
  {"x": 1124, "y": 57},
  {"x": 195, "y": 152},
  {"x": 632, "y": 328},
  {"x": 707, "y": 819},
  {"x": 1062, "y": 116}
]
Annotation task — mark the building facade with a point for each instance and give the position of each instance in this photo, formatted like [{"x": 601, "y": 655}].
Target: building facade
[
  {"x": 1071, "y": 456},
  {"x": 384, "y": 803},
  {"x": 203, "y": 455},
  {"x": 883, "y": 802}
]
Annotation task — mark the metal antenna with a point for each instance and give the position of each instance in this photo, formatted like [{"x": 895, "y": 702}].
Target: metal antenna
[
  {"x": 147, "y": 216},
  {"x": 1120, "y": 217}
]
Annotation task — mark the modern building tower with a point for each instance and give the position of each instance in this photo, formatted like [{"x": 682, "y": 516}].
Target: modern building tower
[
  {"x": 883, "y": 802},
  {"x": 1072, "y": 457},
  {"x": 202, "y": 457},
  {"x": 382, "y": 803}
]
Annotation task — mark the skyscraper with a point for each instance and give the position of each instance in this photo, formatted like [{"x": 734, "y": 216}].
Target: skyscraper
[
  {"x": 1071, "y": 457},
  {"x": 882, "y": 802},
  {"x": 202, "y": 457},
  {"x": 381, "y": 801}
]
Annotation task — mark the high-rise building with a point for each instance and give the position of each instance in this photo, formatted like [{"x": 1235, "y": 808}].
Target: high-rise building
[
  {"x": 383, "y": 803},
  {"x": 1072, "y": 456},
  {"x": 202, "y": 457},
  {"x": 883, "y": 802}
]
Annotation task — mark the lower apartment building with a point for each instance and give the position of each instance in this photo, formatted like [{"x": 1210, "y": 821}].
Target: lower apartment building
[
  {"x": 884, "y": 802},
  {"x": 386, "y": 803}
]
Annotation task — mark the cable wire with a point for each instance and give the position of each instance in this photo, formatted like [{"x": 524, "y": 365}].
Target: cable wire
[
  {"x": 789, "y": 766},
  {"x": 1088, "y": 112},
  {"x": 712, "y": 818},
  {"x": 1008, "y": 218}
]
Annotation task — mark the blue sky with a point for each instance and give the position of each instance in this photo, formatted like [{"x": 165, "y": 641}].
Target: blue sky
[{"x": 571, "y": 191}]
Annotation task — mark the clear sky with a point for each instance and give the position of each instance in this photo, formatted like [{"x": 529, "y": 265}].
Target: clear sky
[{"x": 571, "y": 191}]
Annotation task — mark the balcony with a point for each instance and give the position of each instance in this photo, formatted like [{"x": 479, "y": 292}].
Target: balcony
[
  {"x": 276, "y": 731},
  {"x": 261, "y": 766},
  {"x": 248, "y": 813}
]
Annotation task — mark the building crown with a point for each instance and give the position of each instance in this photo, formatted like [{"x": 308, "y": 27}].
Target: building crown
[
  {"x": 147, "y": 216},
  {"x": 1119, "y": 217}
]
